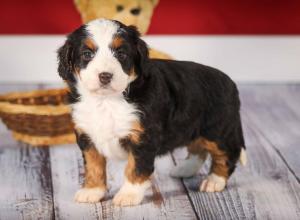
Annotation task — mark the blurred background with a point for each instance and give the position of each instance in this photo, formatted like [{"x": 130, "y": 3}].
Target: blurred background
[{"x": 250, "y": 40}]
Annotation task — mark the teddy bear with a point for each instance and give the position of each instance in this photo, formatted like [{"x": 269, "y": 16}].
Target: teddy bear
[{"x": 129, "y": 12}]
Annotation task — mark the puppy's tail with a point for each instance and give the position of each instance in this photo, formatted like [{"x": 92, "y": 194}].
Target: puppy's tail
[{"x": 243, "y": 157}]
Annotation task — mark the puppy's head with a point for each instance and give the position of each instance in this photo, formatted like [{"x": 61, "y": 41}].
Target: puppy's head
[{"x": 102, "y": 57}]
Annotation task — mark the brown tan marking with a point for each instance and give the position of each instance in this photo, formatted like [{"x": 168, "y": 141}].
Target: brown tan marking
[
  {"x": 95, "y": 169},
  {"x": 219, "y": 157},
  {"x": 196, "y": 148},
  {"x": 90, "y": 44},
  {"x": 132, "y": 74},
  {"x": 77, "y": 71},
  {"x": 136, "y": 131},
  {"x": 116, "y": 42},
  {"x": 130, "y": 172}
]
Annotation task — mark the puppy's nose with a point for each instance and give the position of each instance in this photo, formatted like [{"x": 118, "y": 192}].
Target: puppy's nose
[{"x": 105, "y": 77}]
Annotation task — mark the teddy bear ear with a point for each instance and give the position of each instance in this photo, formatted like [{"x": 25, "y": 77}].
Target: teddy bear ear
[
  {"x": 81, "y": 5},
  {"x": 154, "y": 2}
]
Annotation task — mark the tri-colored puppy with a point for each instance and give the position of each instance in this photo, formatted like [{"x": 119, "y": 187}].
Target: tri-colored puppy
[{"x": 127, "y": 106}]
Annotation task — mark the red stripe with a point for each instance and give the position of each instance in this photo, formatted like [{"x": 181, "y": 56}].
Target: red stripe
[
  {"x": 227, "y": 17},
  {"x": 170, "y": 17}
]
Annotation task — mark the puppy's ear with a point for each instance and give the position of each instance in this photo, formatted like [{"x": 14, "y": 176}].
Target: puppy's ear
[
  {"x": 142, "y": 55},
  {"x": 65, "y": 65}
]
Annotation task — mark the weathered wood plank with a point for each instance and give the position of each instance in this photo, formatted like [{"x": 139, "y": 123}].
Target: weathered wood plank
[
  {"x": 274, "y": 111},
  {"x": 264, "y": 189},
  {"x": 229, "y": 204},
  {"x": 277, "y": 195},
  {"x": 67, "y": 173},
  {"x": 25, "y": 176},
  {"x": 25, "y": 183},
  {"x": 166, "y": 199},
  {"x": 291, "y": 95},
  {"x": 291, "y": 91}
]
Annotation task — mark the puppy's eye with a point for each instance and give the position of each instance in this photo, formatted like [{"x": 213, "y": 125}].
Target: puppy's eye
[
  {"x": 122, "y": 56},
  {"x": 87, "y": 55},
  {"x": 120, "y": 8}
]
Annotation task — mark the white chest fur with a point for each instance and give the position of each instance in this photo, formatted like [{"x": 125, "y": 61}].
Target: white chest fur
[{"x": 105, "y": 121}]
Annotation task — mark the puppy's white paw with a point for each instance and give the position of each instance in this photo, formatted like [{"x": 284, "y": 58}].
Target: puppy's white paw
[
  {"x": 187, "y": 168},
  {"x": 89, "y": 195},
  {"x": 127, "y": 198},
  {"x": 213, "y": 183},
  {"x": 130, "y": 194}
]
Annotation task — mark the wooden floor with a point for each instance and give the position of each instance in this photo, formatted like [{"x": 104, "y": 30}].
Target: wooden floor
[{"x": 39, "y": 183}]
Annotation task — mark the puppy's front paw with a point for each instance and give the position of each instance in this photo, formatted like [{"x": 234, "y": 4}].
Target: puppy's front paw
[
  {"x": 128, "y": 198},
  {"x": 89, "y": 195},
  {"x": 213, "y": 183}
]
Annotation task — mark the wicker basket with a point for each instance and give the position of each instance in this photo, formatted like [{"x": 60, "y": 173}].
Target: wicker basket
[{"x": 38, "y": 117}]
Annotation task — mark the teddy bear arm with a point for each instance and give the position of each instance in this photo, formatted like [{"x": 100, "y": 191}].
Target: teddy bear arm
[{"x": 153, "y": 53}]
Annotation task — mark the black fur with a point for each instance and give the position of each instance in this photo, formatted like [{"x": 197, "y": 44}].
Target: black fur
[
  {"x": 83, "y": 141},
  {"x": 180, "y": 102},
  {"x": 69, "y": 57}
]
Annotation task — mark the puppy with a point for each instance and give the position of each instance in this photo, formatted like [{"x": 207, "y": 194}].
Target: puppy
[{"x": 127, "y": 106}]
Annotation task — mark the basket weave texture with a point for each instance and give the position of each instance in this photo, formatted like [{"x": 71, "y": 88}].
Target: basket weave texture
[{"x": 39, "y": 117}]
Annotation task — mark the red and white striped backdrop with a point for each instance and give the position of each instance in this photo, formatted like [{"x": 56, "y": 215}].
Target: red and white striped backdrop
[
  {"x": 251, "y": 40},
  {"x": 170, "y": 17}
]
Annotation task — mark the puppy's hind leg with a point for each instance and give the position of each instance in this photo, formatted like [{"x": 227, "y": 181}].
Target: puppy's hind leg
[
  {"x": 223, "y": 165},
  {"x": 192, "y": 164}
]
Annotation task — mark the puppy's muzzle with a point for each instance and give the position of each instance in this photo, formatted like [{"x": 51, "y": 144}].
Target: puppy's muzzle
[{"x": 105, "y": 78}]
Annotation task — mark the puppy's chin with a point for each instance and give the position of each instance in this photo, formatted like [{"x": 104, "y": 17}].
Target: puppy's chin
[
  {"x": 106, "y": 91},
  {"x": 103, "y": 90},
  {"x": 115, "y": 88}
]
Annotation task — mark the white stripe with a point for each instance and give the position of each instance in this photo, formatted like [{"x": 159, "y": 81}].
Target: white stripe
[{"x": 244, "y": 58}]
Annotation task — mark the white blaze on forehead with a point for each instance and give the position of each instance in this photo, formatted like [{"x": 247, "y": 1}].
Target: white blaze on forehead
[{"x": 102, "y": 31}]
